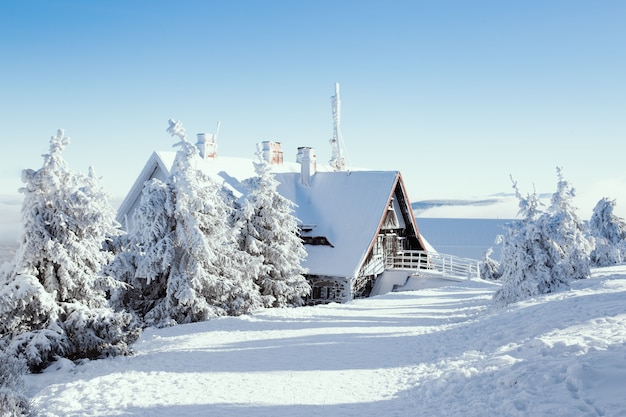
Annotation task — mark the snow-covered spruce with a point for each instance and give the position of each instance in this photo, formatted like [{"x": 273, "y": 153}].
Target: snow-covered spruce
[
  {"x": 144, "y": 256},
  {"x": 53, "y": 293},
  {"x": 609, "y": 234},
  {"x": 567, "y": 230},
  {"x": 544, "y": 250},
  {"x": 269, "y": 232},
  {"x": 182, "y": 257},
  {"x": 528, "y": 255}
]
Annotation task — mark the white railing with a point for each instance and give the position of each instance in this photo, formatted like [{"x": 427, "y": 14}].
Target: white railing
[
  {"x": 374, "y": 267},
  {"x": 433, "y": 263}
]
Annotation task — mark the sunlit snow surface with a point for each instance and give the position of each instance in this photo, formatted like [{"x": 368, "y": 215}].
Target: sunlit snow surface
[{"x": 436, "y": 351}]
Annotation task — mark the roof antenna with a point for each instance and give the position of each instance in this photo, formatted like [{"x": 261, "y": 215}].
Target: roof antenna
[
  {"x": 337, "y": 160},
  {"x": 217, "y": 130}
]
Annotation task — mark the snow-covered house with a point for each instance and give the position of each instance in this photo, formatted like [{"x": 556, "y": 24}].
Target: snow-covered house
[{"x": 350, "y": 221}]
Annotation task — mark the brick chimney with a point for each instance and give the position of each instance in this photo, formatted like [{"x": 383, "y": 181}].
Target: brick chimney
[
  {"x": 207, "y": 145},
  {"x": 272, "y": 152}
]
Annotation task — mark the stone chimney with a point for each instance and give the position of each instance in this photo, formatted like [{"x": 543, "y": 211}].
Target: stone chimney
[
  {"x": 207, "y": 145},
  {"x": 307, "y": 159},
  {"x": 272, "y": 152}
]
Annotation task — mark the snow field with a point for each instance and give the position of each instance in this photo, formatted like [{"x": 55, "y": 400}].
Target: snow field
[{"x": 435, "y": 351}]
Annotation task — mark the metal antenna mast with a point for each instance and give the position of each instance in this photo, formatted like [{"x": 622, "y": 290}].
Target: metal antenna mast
[{"x": 337, "y": 159}]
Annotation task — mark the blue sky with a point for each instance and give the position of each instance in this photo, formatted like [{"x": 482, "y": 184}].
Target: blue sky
[{"x": 457, "y": 95}]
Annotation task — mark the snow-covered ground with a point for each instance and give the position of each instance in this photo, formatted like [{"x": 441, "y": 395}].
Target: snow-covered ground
[{"x": 437, "y": 351}]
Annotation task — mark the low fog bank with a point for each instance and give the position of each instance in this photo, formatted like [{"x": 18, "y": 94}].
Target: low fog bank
[
  {"x": 467, "y": 238},
  {"x": 10, "y": 221}
]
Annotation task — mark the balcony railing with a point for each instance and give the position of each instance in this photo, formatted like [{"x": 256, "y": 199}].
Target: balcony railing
[{"x": 433, "y": 263}]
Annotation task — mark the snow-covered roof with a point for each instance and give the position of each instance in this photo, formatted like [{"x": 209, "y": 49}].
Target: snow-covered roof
[
  {"x": 230, "y": 170},
  {"x": 345, "y": 208}
]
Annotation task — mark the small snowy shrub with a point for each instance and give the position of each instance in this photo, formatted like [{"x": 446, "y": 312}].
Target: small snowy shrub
[
  {"x": 13, "y": 401},
  {"x": 606, "y": 253},
  {"x": 489, "y": 267},
  {"x": 30, "y": 321},
  {"x": 97, "y": 332}
]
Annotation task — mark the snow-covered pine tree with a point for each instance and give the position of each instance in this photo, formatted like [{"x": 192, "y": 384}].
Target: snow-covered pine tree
[
  {"x": 209, "y": 271},
  {"x": 567, "y": 231},
  {"x": 182, "y": 259},
  {"x": 269, "y": 231},
  {"x": 54, "y": 292},
  {"x": 609, "y": 233},
  {"x": 67, "y": 220},
  {"x": 529, "y": 255},
  {"x": 144, "y": 257}
]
